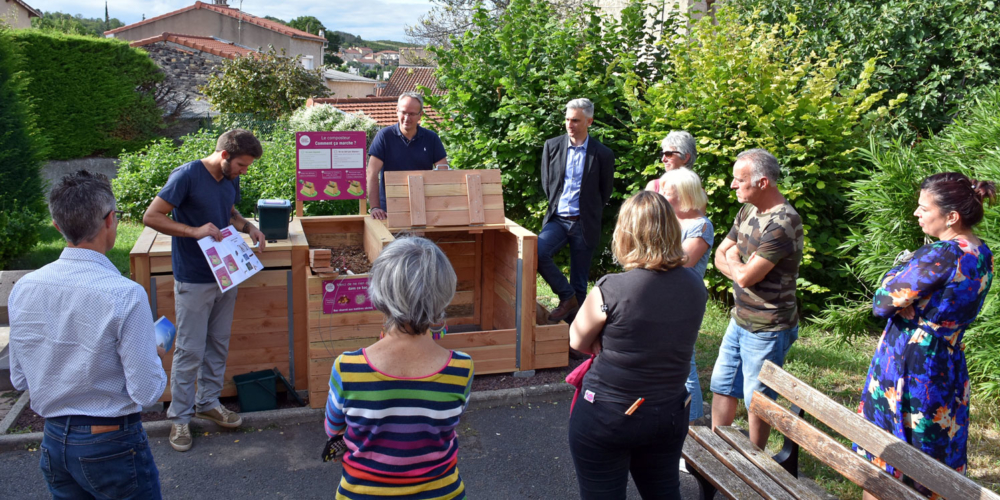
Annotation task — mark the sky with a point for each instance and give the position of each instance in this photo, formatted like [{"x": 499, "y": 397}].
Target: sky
[{"x": 371, "y": 19}]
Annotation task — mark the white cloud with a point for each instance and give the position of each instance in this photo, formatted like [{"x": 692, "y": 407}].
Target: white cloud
[{"x": 371, "y": 19}]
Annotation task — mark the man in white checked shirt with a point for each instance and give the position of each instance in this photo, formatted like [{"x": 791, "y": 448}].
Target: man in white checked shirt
[{"x": 82, "y": 341}]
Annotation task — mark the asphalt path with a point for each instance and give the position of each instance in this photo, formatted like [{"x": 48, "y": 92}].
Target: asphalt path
[{"x": 517, "y": 452}]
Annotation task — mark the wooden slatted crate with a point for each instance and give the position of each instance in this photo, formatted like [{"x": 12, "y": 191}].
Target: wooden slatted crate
[
  {"x": 492, "y": 316},
  {"x": 262, "y": 326}
]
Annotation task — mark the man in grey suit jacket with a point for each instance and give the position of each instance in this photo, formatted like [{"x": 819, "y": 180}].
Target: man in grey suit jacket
[{"x": 577, "y": 176}]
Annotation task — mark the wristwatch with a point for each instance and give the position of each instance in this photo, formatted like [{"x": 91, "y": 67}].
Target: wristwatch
[{"x": 374, "y": 208}]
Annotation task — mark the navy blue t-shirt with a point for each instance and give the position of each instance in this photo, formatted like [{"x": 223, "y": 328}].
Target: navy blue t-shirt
[
  {"x": 391, "y": 146},
  {"x": 197, "y": 199}
]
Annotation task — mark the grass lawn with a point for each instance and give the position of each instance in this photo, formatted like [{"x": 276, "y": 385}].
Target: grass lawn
[
  {"x": 839, "y": 371},
  {"x": 51, "y": 244}
]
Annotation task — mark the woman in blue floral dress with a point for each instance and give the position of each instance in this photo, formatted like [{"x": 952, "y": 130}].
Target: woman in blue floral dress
[{"x": 918, "y": 383}]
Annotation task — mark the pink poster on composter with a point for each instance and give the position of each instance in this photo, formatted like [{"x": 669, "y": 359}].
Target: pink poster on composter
[
  {"x": 346, "y": 295},
  {"x": 330, "y": 165}
]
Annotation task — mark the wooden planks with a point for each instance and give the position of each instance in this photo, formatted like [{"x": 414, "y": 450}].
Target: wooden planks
[
  {"x": 847, "y": 463},
  {"x": 418, "y": 214},
  {"x": 710, "y": 468},
  {"x": 921, "y": 467},
  {"x": 765, "y": 463},
  {"x": 476, "y": 215},
  {"x": 444, "y": 198},
  {"x": 737, "y": 463}
]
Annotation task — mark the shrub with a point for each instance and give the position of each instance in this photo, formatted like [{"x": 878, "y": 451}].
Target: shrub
[
  {"x": 324, "y": 117},
  {"x": 90, "y": 95},
  {"x": 22, "y": 206},
  {"x": 268, "y": 84},
  {"x": 936, "y": 52},
  {"x": 736, "y": 86},
  {"x": 882, "y": 202},
  {"x": 142, "y": 174}
]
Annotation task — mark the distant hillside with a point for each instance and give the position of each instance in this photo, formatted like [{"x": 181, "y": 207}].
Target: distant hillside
[{"x": 350, "y": 40}]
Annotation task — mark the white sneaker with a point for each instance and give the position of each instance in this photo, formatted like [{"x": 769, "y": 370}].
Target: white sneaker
[
  {"x": 683, "y": 467},
  {"x": 180, "y": 437}
]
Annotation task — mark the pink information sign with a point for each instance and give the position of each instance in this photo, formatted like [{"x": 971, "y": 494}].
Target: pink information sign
[
  {"x": 330, "y": 166},
  {"x": 346, "y": 295}
]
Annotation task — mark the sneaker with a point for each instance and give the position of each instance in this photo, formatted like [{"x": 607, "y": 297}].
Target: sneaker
[
  {"x": 683, "y": 467},
  {"x": 180, "y": 437},
  {"x": 566, "y": 307},
  {"x": 222, "y": 416}
]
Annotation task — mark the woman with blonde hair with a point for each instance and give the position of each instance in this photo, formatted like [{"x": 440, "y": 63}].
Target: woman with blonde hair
[
  {"x": 631, "y": 416},
  {"x": 682, "y": 189}
]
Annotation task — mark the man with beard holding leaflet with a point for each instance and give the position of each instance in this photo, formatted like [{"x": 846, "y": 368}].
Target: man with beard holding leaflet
[{"x": 201, "y": 196}]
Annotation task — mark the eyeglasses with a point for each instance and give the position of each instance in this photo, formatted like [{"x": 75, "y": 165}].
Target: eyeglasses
[
  {"x": 118, "y": 214},
  {"x": 668, "y": 154},
  {"x": 411, "y": 115}
]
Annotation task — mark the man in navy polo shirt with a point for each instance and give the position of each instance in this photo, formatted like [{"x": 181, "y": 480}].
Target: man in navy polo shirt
[
  {"x": 404, "y": 146},
  {"x": 201, "y": 196}
]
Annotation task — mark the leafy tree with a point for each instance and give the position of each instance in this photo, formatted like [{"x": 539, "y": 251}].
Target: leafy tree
[
  {"x": 75, "y": 25},
  {"x": 509, "y": 80},
  {"x": 936, "y": 52},
  {"x": 22, "y": 207},
  {"x": 267, "y": 83},
  {"x": 448, "y": 18},
  {"x": 736, "y": 86},
  {"x": 309, "y": 24}
]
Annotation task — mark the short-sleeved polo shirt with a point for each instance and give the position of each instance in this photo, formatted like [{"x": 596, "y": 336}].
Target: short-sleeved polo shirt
[
  {"x": 197, "y": 199},
  {"x": 398, "y": 153}
]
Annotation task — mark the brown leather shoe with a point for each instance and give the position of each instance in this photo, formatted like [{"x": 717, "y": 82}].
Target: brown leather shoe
[{"x": 566, "y": 307}]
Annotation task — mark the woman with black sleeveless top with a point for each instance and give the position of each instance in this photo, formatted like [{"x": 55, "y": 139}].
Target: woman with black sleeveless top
[{"x": 631, "y": 416}]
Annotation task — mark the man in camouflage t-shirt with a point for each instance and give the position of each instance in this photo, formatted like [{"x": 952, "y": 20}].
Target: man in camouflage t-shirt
[{"x": 761, "y": 255}]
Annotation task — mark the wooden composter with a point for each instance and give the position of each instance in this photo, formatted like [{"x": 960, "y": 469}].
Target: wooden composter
[{"x": 492, "y": 317}]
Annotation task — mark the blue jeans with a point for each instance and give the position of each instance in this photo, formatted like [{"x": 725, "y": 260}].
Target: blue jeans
[
  {"x": 554, "y": 236},
  {"x": 741, "y": 356},
  {"x": 693, "y": 386},
  {"x": 117, "y": 464}
]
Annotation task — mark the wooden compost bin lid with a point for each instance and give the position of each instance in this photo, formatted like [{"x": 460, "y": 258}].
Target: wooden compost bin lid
[{"x": 444, "y": 198}]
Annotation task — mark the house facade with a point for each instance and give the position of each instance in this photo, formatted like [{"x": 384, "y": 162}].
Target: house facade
[
  {"x": 17, "y": 14},
  {"x": 345, "y": 85},
  {"x": 230, "y": 25}
]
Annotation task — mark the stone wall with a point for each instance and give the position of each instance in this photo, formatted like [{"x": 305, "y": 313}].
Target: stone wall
[{"x": 185, "y": 71}]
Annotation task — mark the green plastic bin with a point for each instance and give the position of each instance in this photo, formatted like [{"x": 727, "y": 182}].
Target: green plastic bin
[{"x": 257, "y": 391}]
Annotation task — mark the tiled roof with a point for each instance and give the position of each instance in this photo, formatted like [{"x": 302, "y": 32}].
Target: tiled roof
[
  {"x": 386, "y": 52},
  {"x": 382, "y": 109},
  {"x": 352, "y": 51},
  {"x": 32, "y": 12},
  {"x": 233, "y": 13},
  {"x": 367, "y": 60},
  {"x": 202, "y": 43},
  {"x": 406, "y": 79}
]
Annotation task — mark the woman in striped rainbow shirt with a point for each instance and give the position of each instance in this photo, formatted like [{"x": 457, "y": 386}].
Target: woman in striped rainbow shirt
[{"x": 398, "y": 402}]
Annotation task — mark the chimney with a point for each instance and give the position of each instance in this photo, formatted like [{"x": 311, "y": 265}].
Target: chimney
[
  {"x": 322, "y": 34},
  {"x": 224, "y": 3}
]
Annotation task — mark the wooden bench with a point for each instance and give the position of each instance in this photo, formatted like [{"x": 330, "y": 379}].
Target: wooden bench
[{"x": 726, "y": 461}]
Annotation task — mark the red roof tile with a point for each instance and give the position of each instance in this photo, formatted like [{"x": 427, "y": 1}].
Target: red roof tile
[
  {"x": 382, "y": 109},
  {"x": 233, "y": 13},
  {"x": 406, "y": 79},
  {"x": 202, "y": 43}
]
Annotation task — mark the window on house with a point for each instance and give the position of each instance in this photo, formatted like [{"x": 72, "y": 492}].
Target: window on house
[{"x": 307, "y": 62}]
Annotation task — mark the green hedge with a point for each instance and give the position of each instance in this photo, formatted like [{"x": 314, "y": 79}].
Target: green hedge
[
  {"x": 22, "y": 206},
  {"x": 142, "y": 174},
  {"x": 90, "y": 95}
]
